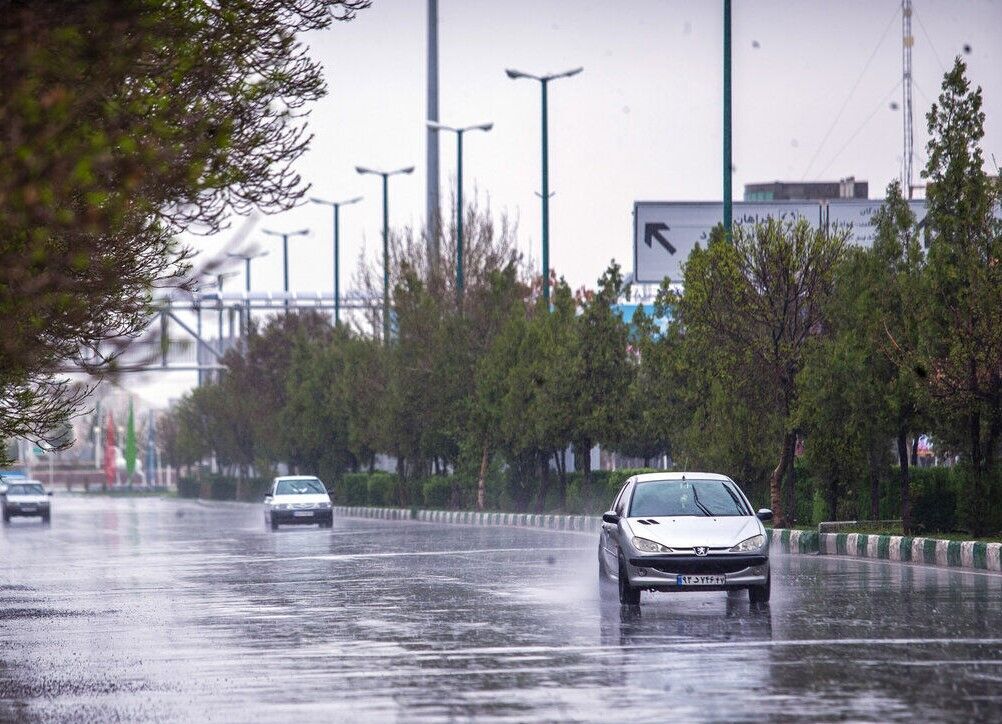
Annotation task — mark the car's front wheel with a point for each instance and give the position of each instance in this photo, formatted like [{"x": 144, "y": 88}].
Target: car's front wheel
[
  {"x": 628, "y": 595},
  {"x": 274, "y": 523},
  {"x": 760, "y": 594}
]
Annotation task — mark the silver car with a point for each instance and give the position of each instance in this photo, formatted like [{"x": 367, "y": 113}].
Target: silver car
[
  {"x": 684, "y": 532},
  {"x": 25, "y": 498},
  {"x": 298, "y": 500}
]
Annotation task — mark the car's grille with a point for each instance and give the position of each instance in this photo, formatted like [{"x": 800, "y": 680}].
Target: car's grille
[{"x": 303, "y": 506}]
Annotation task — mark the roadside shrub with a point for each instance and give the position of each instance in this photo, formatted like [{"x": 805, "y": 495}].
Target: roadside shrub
[
  {"x": 187, "y": 488},
  {"x": 382, "y": 489},
  {"x": 352, "y": 489},
  {"x": 436, "y": 492},
  {"x": 934, "y": 501}
]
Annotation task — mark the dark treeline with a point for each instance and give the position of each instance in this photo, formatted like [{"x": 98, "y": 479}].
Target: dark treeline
[{"x": 782, "y": 336}]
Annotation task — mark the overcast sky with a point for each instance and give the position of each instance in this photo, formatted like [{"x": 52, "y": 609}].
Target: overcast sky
[{"x": 642, "y": 122}]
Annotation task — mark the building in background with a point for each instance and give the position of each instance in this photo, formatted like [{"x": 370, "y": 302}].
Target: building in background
[{"x": 847, "y": 188}]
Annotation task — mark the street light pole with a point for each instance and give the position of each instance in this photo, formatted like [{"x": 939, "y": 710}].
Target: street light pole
[
  {"x": 247, "y": 257},
  {"x": 336, "y": 206},
  {"x": 285, "y": 256},
  {"x": 386, "y": 239},
  {"x": 459, "y": 196},
  {"x": 544, "y": 81},
  {"x": 728, "y": 208}
]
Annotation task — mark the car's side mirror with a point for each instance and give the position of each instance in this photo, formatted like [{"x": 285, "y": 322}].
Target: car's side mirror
[
  {"x": 764, "y": 514},
  {"x": 610, "y": 517},
  {"x": 49, "y": 493},
  {"x": 267, "y": 498}
]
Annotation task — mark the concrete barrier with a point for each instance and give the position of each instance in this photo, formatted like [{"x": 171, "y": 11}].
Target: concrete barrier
[{"x": 975, "y": 555}]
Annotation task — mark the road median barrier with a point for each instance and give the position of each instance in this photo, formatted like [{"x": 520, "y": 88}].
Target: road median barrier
[
  {"x": 578, "y": 523},
  {"x": 975, "y": 555}
]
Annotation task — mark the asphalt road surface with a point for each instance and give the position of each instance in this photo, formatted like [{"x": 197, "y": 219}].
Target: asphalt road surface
[{"x": 146, "y": 609}]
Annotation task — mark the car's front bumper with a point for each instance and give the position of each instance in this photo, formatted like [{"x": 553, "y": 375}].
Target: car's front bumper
[
  {"x": 302, "y": 517},
  {"x": 661, "y": 572},
  {"x": 26, "y": 511}
]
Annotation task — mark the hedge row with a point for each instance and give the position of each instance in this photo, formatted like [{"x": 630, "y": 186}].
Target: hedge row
[{"x": 937, "y": 494}]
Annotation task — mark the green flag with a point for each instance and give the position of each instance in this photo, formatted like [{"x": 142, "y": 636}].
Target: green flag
[{"x": 130, "y": 443}]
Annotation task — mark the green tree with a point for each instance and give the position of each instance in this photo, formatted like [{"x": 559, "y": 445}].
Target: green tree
[
  {"x": 748, "y": 310},
  {"x": 603, "y": 372},
  {"x": 858, "y": 384},
  {"x": 122, "y": 124},
  {"x": 962, "y": 341}
]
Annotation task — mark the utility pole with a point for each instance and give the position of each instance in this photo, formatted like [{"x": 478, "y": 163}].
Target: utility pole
[
  {"x": 728, "y": 214},
  {"x": 285, "y": 256},
  {"x": 433, "y": 219},
  {"x": 907, "y": 41},
  {"x": 544, "y": 81},
  {"x": 459, "y": 197},
  {"x": 336, "y": 206},
  {"x": 386, "y": 239}
]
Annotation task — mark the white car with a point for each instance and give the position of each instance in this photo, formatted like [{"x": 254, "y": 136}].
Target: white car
[
  {"x": 25, "y": 498},
  {"x": 684, "y": 532},
  {"x": 298, "y": 500}
]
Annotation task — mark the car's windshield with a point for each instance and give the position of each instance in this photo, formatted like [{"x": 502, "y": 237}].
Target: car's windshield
[
  {"x": 23, "y": 489},
  {"x": 309, "y": 486},
  {"x": 657, "y": 498}
]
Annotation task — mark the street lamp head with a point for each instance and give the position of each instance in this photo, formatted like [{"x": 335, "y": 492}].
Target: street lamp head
[
  {"x": 436, "y": 126},
  {"x": 515, "y": 74},
  {"x": 566, "y": 74},
  {"x": 408, "y": 169},
  {"x": 324, "y": 202},
  {"x": 483, "y": 127},
  {"x": 363, "y": 169},
  {"x": 354, "y": 200}
]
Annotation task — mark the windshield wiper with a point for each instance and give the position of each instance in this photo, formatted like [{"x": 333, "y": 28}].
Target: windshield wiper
[{"x": 695, "y": 499}]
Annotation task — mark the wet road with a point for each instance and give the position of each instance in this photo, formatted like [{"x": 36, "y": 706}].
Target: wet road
[{"x": 145, "y": 609}]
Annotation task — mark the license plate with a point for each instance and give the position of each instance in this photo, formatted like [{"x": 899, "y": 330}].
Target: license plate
[
  {"x": 700, "y": 580},
  {"x": 28, "y": 508},
  {"x": 303, "y": 514}
]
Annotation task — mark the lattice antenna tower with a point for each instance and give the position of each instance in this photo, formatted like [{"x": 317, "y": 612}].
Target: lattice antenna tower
[{"x": 907, "y": 41}]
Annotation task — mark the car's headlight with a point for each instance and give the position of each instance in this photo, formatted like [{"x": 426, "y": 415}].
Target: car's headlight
[
  {"x": 279, "y": 506},
  {"x": 323, "y": 506},
  {"x": 649, "y": 546},
  {"x": 751, "y": 544}
]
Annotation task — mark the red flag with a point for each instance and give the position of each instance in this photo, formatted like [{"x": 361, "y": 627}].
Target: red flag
[{"x": 109, "y": 451}]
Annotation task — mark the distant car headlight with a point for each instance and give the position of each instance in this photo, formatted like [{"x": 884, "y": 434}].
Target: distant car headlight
[
  {"x": 280, "y": 506},
  {"x": 751, "y": 544},
  {"x": 649, "y": 546},
  {"x": 323, "y": 506}
]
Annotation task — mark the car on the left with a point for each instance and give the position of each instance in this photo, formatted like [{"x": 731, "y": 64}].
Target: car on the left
[
  {"x": 298, "y": 500},
  {"x": 25, "y": 498}
]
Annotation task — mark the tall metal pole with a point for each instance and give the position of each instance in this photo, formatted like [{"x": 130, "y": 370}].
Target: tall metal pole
[
  {"x": 727, "y": 119},
  {"x": 285, "y": 268},
  {"x": 247, "y": 261},
  {"x": 544, "y": 82},
  {"x": 337, "y": 266},
  {"x": 459, "y": 218},
  {"x": 198, "y": 346},
  {"x": 546, "y": 199},
  {"x": 432, "y": 207},
  {"x": 386, "y": 258},
  {"x": 907, "y": 41}
]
